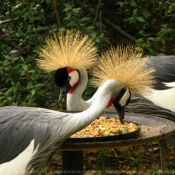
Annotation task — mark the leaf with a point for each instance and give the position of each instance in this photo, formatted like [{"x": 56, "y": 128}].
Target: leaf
[
  {"x": 6, "y": 68},
  {"x": 76, "y": 10},
  {"x": 150, "y": 38},
  {"x": 40, "y": 39},
  {"x": 142, "y": 33},
  {"x": 67, "y": 5},
  {"x": 145, "y": 13},
  {"x": 24, "y": 66},
  {"x": 48, "y": 2},
  {"x": 97, "y": 40},
  {"x": 152, "y": 52},
  {"x": 162, "y": 41},
  {"x": 84, "y": 19},
  {"x": 90, "y": 28},
  {"x": 29, "y": 96},
  {"x": 93, "y": 35},
  {"x": 2, "y": 103},
  {"x": 13, "y": 51},
  {"x": 120, "y": 4},
  {"x": 135, "y": 12},
  {"x": 33, "y": 91},
  {"x": 131, "y": 20},
  {"x": 12, "y": 82},
  {"x": 133, "y": 4},
  {"x": 2, "y": 97},
  {"x": 140, "y": 19},
  {"x": 11, "y": 24},
  {"x": 29, "y": 85},
  {"x": 7, "y": 93},
  {"x": 5, "y": 63},
  {"x": 157, "y": 39}
]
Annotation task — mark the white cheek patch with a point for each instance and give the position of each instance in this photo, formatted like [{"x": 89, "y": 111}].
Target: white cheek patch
[
  {"x": 124, "y": 98},
  {"x": 74, "y": 78}
]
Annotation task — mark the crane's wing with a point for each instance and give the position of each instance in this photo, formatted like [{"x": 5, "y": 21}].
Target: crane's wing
[
  {"x": 19, "y": 126},
  {"x": 163, "y": 92},
  {"x": 165, "y": 71},
  {"x": 140, "y": 105}
]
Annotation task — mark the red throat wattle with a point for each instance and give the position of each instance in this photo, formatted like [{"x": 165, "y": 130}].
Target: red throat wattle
[
  {"x": 73, "y": 89},
  {"x": 69, "y": 70},
  {"x": 110, "y": 102}
]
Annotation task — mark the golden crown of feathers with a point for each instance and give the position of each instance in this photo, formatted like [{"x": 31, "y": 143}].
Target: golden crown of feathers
[
  {"x": 68, "y": 48},
  {"x": 125, "y": 65}
]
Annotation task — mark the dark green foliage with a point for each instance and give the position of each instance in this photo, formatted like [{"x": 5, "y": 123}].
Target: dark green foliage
[
  {"x": 25, "y": 24},
  {"x": 22, "y": 83}
]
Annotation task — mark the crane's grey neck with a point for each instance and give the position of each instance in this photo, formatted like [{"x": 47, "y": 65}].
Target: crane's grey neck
[{"x": 74, "y": 100}]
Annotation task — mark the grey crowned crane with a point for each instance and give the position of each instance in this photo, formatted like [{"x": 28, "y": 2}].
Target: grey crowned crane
[
  {"x": 29, "y": 135},
  {"x": 69, "y": 54},
  {"x": 161, "y": 100}
]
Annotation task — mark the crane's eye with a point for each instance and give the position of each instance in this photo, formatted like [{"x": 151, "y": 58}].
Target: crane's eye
[{"x": 69, "y": 78}]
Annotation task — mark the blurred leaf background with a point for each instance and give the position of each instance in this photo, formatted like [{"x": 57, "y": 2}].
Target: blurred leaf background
[{"x": 149, "y": 24}]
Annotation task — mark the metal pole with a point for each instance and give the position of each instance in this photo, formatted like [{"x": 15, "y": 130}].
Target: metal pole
[
  {"x": 162, "y": 145},
  {"x": 72, "y": 162}
]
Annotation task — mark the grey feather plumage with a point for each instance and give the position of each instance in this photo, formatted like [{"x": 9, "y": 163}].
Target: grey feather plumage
[
  {"x": 165, "y": 70},
  {"x": 20, "y": 125},
  {"x": 140, "y": 105}
]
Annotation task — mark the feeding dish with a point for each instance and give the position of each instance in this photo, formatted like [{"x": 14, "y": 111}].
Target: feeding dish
[{"x": 106, "y": 129}]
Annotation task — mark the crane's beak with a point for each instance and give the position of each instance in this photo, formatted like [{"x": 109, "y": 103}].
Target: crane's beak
[
  {"x": 64, "y": 90},
  {"x": 120, "y": 110}
]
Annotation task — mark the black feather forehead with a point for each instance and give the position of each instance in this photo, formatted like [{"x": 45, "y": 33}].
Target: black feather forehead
[{"x": 60, "y": 76}]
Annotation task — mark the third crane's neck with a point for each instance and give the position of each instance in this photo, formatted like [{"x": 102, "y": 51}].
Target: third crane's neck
[
  {"x": 81, "y": 85},
  {"x": 76, "y": 96}
]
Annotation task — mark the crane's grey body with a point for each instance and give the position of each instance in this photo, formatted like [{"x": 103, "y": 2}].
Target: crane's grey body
[
  {"x": 163, "y": 93},
  {"x": 141, "y": 105},
  {"x": 21, "y": 126},
  {"x": 165, "y": 71}
]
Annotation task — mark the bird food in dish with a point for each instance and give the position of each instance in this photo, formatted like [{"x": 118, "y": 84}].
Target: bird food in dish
[{"x": 103, "y": 127}]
